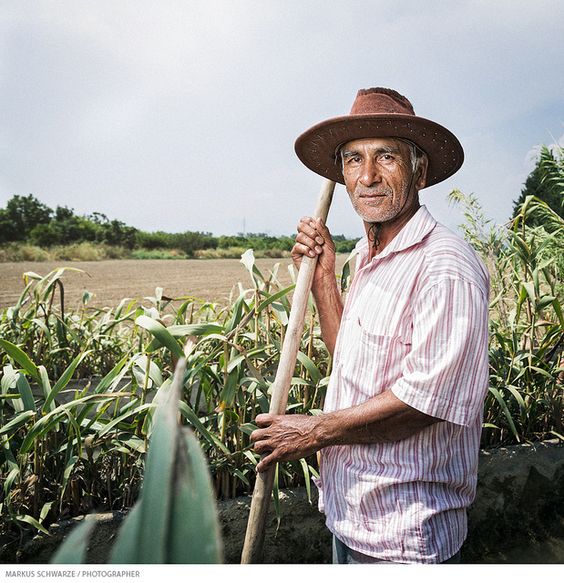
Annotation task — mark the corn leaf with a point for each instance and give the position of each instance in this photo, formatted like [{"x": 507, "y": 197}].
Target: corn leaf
[{"x": 21, "y": 358}]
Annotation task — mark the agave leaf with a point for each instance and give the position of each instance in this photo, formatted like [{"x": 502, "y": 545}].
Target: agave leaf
[
  {"x": 194, "y": 533},
  {"x": 156, "y": 497},
  {"x": 125, "y": 549},
  {"x": 174, "y": 520},
  {"x": 73, "y": 550}
]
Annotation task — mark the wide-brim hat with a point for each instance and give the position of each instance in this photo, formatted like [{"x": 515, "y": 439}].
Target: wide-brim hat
[{"x": 379, "y": 113}]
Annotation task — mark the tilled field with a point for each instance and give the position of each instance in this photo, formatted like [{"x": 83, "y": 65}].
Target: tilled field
[{"x": 111, "y": 281}]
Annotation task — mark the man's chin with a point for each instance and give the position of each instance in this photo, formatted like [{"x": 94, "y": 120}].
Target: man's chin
[{"x": 375, "y": 217}]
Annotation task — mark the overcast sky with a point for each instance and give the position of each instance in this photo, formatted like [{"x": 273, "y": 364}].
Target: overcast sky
[{"x": 182, "y": 115}]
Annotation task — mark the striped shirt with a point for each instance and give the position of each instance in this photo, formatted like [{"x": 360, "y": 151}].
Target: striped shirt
[{"x": 415, "y": 321}]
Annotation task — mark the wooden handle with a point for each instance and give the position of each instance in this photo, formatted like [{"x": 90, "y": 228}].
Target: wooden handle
[{"x": 254, "y": 537}]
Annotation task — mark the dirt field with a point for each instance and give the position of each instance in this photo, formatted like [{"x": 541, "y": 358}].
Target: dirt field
[{"x": 111, "y": 281}]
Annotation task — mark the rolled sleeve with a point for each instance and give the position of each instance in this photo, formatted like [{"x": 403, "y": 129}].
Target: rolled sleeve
[{"x": 445, "y": 374}]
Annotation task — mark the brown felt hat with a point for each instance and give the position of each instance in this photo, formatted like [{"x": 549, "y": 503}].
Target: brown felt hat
[{"x": 379, "y": 113}]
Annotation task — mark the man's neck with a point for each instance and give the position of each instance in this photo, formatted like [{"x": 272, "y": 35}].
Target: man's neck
[{"x": 389, "y": 229}]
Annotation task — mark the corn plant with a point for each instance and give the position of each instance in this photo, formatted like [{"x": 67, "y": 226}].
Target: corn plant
[
  {"x": 230, "y": 371},
  {"x": 66, "y": 451},
  {"x": 41, "y": 325},
  {"x": 524, "y": 402}
]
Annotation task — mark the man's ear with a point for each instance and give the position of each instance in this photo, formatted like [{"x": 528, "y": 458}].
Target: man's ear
[{"x": 422, "y": 173}]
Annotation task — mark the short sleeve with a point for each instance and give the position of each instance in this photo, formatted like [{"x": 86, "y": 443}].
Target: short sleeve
[{"x": 445, "y": 374}]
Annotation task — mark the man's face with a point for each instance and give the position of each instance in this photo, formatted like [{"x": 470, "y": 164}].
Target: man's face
[{"x": 379, "y": 178}]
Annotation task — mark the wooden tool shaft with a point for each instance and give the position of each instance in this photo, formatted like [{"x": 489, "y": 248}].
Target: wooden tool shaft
[{"x": 254, "y": 538}]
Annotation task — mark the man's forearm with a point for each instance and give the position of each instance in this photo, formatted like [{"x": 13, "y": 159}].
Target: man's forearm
[
  {"x": 382, "y": 418},
  {"x": 329, "y": 309}
]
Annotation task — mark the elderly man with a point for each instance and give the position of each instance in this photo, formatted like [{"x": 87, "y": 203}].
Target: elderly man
[{"x": 400, "y": 432}]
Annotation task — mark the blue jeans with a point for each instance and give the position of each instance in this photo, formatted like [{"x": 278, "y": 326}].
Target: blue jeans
[{"x": 342, "y": 555}]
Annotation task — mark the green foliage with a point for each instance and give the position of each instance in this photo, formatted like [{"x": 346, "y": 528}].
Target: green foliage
[
  {"x": 545, "y": 182},
  {"x": 344, "y": 245},
  {"x": 68, "y": 448},
  {"x": 526, "y": 321},
  {"x": 175, "y": 519},
  {"x": 28, "y": 228},
  {"x": 21, "y": 215},
  {"x": 27, "y": 219},
  {"x": 188, "y": 242}
]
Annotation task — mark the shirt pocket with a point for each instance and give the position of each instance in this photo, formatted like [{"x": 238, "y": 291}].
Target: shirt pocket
[{"x": 367, "y": 364}]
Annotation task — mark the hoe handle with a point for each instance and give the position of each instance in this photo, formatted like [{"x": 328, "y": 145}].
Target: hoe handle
[{"x": 254, "y": 538}]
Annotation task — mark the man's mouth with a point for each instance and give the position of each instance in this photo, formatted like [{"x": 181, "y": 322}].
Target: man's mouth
[{"x": 373, "y": 195}]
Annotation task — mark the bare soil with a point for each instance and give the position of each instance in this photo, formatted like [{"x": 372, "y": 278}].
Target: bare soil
[{"x": 111, "y": 281}]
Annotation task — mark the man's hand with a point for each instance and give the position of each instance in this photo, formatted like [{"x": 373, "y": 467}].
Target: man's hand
[
  {"x": 313, "y": 239},
  {"x": 285, "y": 438}
]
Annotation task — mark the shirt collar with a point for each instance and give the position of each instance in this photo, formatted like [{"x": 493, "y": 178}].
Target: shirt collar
[{"x": 412, "y": 233}]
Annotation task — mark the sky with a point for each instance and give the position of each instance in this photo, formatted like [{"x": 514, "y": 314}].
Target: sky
[{"x": 181, "y": 115}]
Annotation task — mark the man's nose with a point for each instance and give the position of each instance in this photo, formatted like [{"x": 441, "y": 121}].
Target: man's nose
[{"x": 370, "y": 173}]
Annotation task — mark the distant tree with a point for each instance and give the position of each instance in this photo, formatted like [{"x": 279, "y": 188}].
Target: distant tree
[
  {"x": 118, "y": 233},
  {"x": 546, "y": 182},
  {"x": 63, "y": 213},
  {"x": 190, "y": 241},
  {"x": 21, "y": 215},
  {"x": 45, "y": 235}
]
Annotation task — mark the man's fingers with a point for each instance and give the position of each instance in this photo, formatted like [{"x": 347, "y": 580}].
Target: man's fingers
[
  {"x": 307, "y": 246},
  {"x": 308, "y": 226},
  {"x": 263, "y": 447},
  {"x": 265, "y": 463},
  {"x": 264, "y": 419}
]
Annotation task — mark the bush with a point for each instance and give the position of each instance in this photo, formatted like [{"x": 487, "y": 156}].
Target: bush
[{"x": 19, "y": 252}]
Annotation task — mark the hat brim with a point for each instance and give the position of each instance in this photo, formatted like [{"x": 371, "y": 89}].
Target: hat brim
[{"x": 317, "y": 147}]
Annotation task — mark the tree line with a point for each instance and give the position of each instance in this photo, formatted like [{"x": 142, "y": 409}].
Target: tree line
[{"x": 25, "y": 219}]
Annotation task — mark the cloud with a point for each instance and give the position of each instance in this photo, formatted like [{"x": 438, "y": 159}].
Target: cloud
[{"x": 180, "y": 115}]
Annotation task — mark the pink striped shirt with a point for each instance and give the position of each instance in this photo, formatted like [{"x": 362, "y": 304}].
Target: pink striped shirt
[{"x": 416, "y": 322}]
